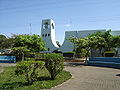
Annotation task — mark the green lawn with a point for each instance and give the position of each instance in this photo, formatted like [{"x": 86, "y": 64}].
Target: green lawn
[{"x": 9, "y": 81}]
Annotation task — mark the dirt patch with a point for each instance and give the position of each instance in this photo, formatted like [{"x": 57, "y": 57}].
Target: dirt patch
[
  {"x": 7, "y": 64},
  {"x": 2, "y": 65}
]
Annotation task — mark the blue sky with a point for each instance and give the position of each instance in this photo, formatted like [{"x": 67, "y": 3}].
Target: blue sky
[{"x": 25, "y": 16}]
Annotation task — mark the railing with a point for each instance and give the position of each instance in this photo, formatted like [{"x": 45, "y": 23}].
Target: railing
[
  {"x": 104, "y": 61},
  {"x": 7, "y": 59}
]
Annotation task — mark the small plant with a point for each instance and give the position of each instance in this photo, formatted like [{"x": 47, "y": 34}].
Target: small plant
[
  {"x": 29, "y": 69},
  {"x": 109, "y": 53},
  {"x": 54, "y": 64},
  {"x": 69, "y": 54}
]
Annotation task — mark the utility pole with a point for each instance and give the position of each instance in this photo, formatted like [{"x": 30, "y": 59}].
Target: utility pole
[{"x": 30, "y": 28}]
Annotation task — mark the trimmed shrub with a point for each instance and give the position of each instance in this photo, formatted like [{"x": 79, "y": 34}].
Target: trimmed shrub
[
  {"x": 109, "y": 53},
  {"x": 36, "y": 56},
  {"x": 69, "y": 54},
  {"x": 29, "y": 69},
  {"x": 40, "y": 56},
  {"x": 54, "y": 64}
]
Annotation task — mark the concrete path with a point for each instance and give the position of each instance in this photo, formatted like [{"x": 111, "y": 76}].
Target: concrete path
[{"x": 91, "y": 78}]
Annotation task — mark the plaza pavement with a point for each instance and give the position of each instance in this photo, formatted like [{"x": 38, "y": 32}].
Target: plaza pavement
[{"x": 91, "y": 78}]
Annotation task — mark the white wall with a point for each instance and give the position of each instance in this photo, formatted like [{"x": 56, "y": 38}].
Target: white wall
[{"x": 67, "y": 46}]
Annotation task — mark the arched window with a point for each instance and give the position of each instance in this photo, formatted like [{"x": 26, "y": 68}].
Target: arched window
[
  {"x": 48, "y": 34},
  {"x": 45, "y": 35},
  {"x": 46, "y": 25}
]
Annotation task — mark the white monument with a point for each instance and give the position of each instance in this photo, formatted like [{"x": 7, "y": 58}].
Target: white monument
[{"x": 48, "y": 35}]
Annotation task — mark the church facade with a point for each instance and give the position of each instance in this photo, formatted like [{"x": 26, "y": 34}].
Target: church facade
[{"x": 48, "y": 35}]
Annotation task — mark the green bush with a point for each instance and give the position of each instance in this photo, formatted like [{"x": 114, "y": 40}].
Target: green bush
[
  {"x": 69, "y": 54},
  {"x": 35, "y": 56},
  {"x": 109, "y": 53},
  {"x": 39, "y": 56},
  {"x": 54, "y": 64},
  {"x": 29, "y": 69}
]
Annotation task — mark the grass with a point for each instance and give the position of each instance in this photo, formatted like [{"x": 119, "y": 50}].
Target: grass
[{"x": 9, "y": 81}]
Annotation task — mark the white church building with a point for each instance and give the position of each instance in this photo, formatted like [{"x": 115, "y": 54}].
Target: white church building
[{"x": 48, "y": 35}]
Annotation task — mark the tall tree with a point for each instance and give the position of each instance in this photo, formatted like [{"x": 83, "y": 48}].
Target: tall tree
[
  {"x": 110, "y": 40},
  {"x": 20, "y": 51},
  {"x": 32, "y": 42},
  {"x": 107, "y": 37},
  {"x": 98, "y": 40},
  {"x": 88, "y": 43},
  {"x": 6, "y": 42},
  {"x": 2, "y": 41}
]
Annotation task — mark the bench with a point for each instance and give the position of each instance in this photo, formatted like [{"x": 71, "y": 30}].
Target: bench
[
  {"x": 104, "y": 61},
  {"x": 7, "y": 59}
]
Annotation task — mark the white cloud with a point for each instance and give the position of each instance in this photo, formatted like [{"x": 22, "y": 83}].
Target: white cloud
[{"x": 68, "y": 25}]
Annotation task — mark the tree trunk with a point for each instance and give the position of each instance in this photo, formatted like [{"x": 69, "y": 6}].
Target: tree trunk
[
  {"x": 23, "y": 57},
  {"x": 87, "y": 54}
]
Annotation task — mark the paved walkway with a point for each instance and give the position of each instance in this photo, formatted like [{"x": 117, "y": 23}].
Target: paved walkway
[{"x": 91, "y": 78}]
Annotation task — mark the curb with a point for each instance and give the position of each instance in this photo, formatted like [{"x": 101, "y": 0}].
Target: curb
[{"x": 61, "y": 83}]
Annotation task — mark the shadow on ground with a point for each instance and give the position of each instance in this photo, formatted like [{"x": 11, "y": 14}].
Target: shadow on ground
[
  {"x": 105, "y": 66},
  {"x": 12, "y": 85},
  {"x": 43, "y": 78},
  {"x": 118, "y": 75},
  {"x": 74, "y": 64}
]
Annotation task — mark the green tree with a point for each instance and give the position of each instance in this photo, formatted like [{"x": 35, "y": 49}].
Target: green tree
[
  {"x": 110, "y": 41},
  {"x": 6, "y": 42},
  {"x": 87, "y": 44},
  {"x": 20, "y": 51},
  {"x": 115, "y": 41},
  {"x": 33, "y": 42},
  {"x": 2, "y": 41},
  {"x": 107, "y": 37},
  {"x": 97, "y": 42}
]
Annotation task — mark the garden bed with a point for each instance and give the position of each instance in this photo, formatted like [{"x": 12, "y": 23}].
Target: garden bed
[{"x": 10, "y": 81}]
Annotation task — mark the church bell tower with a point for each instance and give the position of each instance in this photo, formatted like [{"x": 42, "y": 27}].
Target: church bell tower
[{"x": 48, "y": 35}]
